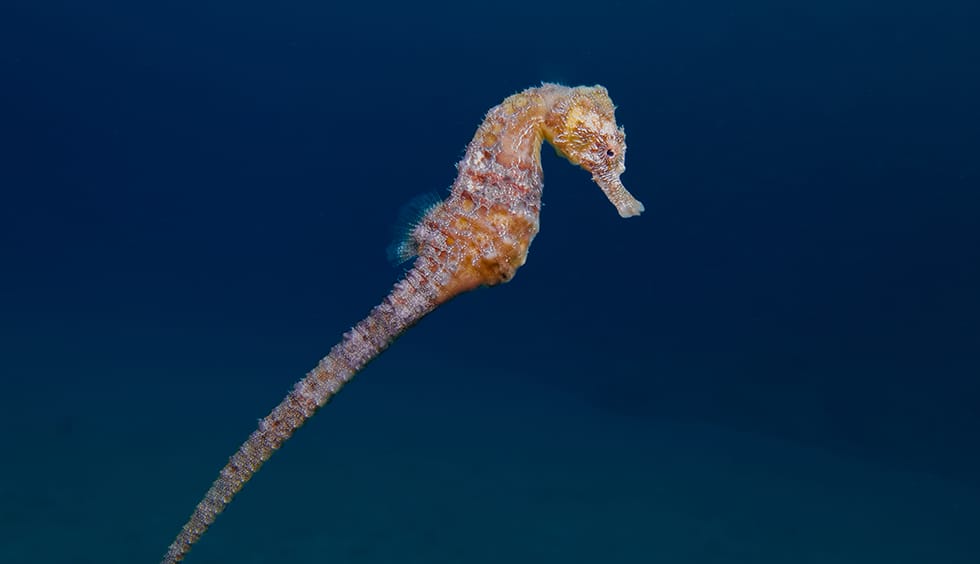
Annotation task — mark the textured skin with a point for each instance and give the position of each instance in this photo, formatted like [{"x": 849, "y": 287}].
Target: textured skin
[{"x": 478, "y": 236}]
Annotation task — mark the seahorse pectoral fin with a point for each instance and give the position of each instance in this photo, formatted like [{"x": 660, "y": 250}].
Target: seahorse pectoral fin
[{"x": 618, "y": 195}]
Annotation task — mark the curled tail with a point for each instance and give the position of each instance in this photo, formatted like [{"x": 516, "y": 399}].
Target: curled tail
[{"x": 409, "y": 301}]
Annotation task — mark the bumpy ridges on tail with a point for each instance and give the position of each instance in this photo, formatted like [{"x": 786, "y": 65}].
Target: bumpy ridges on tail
[{"x": 411, "y": 299}]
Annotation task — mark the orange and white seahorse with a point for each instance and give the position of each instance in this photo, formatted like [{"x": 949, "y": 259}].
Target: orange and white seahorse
[{"x": 478, "y": 236}]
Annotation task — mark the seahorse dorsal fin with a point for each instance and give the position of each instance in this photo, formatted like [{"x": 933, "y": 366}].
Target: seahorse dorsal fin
[{"x": 404, "y": 247}]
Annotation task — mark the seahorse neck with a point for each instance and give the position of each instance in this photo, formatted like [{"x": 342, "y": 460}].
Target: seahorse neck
[
  {"x": 513, "y": 131},
  {"x": 502, "y": 164}
]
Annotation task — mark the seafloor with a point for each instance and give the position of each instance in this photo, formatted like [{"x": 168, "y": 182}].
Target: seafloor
[{"x": 398, "y": 470}]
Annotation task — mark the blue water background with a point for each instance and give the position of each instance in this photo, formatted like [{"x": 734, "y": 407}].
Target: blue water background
[{"x": 777, "y": 362}]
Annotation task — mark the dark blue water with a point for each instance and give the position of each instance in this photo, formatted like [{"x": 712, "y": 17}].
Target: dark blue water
[{"x": 777, "y": 362}]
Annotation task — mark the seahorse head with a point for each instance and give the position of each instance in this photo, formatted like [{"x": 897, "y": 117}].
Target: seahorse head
[{"x": 582, "y": 127}]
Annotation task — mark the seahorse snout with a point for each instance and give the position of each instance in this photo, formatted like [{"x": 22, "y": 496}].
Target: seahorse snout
[{"x": 618, "y": 195}]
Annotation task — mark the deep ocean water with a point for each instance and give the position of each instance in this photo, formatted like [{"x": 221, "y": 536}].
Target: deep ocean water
[{"x": 777, "y": 362}]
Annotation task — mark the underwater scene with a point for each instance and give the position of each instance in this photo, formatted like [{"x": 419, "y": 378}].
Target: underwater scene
[{"x": 601, "y": 282}]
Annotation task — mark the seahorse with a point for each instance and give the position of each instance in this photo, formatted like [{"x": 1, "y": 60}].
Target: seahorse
[{"x": 478, "y": 236}]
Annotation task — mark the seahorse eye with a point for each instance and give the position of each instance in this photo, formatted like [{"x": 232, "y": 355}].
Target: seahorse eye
[{"x": 610, "y": 153}]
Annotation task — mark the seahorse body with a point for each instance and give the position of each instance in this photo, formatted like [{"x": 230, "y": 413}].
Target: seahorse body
[{"x": 478, "y": 236}]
